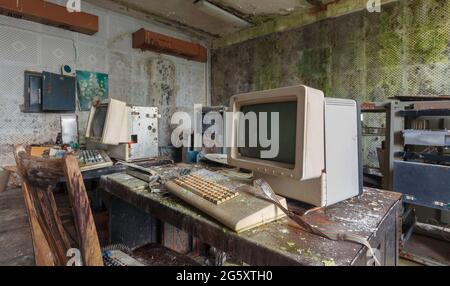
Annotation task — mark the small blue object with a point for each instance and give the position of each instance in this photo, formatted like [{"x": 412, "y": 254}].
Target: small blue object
[
  {"x": 107, "y": 253},
  {"x": 192, "y": 156},
  {"x": 60, "y": 154}
]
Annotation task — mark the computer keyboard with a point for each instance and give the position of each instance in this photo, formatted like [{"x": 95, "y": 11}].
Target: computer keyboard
[
  {"x": 211, "y": 191},
  {"x": 93, "y": 159},
  {"x": 231, "y": 202}
]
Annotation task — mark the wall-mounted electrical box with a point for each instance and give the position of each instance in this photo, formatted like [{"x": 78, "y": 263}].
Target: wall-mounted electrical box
[
  {"x": 32, "y": 92},
  {"x": 58, "y": 93}
]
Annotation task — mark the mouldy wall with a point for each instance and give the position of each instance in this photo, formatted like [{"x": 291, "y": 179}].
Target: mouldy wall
[
  {"x": 404, "y": 50},
  {"x": 139, "y": 78}
]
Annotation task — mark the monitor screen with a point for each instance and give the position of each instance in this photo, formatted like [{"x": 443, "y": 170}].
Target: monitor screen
[
  {"x": 98, "y": 122},
  {"x": 287, "y": 131}
]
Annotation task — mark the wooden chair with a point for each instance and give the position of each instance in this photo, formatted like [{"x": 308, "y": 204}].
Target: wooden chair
[{"x": 55, "y": 230}]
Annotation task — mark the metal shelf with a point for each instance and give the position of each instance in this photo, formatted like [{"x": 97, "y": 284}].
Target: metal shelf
[{"x": 427, "y": 112}]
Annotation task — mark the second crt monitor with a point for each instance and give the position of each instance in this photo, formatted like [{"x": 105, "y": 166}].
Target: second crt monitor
[
  {"x": 108, "y": 123},
  {"x": 314, "y": 152},
  {"x": 128, "y": 133}
]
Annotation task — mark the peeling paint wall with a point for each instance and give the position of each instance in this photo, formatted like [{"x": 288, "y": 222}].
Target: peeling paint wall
[
  {"x": 139, "y": 78},
  {"x": 404, "y": 50}
]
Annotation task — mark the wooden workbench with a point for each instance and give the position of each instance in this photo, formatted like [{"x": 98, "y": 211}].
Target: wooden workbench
[{"x": 374, "y": 215}]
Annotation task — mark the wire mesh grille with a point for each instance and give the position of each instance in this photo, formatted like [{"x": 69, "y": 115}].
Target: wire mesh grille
[{"x": 19, "y": 46}]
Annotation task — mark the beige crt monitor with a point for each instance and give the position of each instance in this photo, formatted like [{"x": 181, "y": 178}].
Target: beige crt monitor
[
  {"x": 108, "y": 123},
  {"x": 319, "y": 158}
]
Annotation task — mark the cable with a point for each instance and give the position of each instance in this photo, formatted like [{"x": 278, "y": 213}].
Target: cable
[
  {"x": 438, "y": 224},
  {"x": 265, "y": 189},
  {"x": 444, "y": 231},
  {"x": 236, "y": 175}
]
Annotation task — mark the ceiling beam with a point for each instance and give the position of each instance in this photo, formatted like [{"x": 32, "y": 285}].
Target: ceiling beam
[
  {"x": 231, "y": 10},
  {"x": 134, "y": 11},
  {"x": 50, "y": 14},
  {"x": 294, "y": 20},
  {"x": 151, "y": 41}
]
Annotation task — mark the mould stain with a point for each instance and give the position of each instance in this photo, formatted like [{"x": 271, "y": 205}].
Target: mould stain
[
  {"x": 161, "y": 90},
  {"x": 405, "y": 50},
  {"x": 364, "y": 56}
]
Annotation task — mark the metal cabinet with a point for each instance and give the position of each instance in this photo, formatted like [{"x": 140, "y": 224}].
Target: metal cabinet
[
  {"x": 58, "y": 92},
  {"x": 32, "y": 92}
]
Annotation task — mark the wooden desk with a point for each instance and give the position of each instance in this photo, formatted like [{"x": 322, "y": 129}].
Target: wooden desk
[{"x": 375, "y": 215}]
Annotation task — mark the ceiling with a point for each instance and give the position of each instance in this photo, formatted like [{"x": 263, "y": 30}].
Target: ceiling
[
  {"x": 264, "y": 7},
  {"x": 186, "y": 13}
]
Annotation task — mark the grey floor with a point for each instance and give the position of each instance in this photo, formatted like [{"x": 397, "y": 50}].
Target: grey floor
[
  {"x": 16, "y": 246},
  {"x": 427, "y": 250}
]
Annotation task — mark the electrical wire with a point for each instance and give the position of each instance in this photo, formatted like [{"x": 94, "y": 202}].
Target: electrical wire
[
  {"x": 444, "y": 228},
  {"x": 265, "y": 189},
  {"x": 438, "y": 224}
]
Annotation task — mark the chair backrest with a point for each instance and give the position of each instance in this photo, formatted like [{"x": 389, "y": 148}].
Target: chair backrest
[
  {"x": 51, "y": 240},
  {"x": 84, "y": 220}
]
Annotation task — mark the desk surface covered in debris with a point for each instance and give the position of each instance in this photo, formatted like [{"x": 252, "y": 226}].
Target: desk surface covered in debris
[{"x": 280, "y": 242}]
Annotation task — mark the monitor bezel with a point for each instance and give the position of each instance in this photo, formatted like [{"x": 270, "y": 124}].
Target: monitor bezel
[
  {"x": 90, "y": 120},
  {"x": 296, "y": 171},
  {"x": 115, "y": 130}
]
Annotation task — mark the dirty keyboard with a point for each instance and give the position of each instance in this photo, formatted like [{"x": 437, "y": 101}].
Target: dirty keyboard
[
  {"x": 211, "y": 191},
  {"x": 93, "y": 159}
]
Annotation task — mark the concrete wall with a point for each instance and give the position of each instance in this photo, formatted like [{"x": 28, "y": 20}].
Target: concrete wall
[
  {"x": 404, "y": 50},
  {"x": 139, "y": 78}
]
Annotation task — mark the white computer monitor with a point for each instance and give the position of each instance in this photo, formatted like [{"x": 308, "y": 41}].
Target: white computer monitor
[
  {"x": 319, "y": 147},
  {"x": 108, "y": 123}
]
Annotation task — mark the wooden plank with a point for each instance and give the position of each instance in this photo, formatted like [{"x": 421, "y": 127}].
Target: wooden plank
[
  {"x": 50, "y": 14},
  {"x": 84, "y": 221},
  {"x": 40, "y": 177},
  {"x": 42, "y": 253},
  {"x": 147, "y": 40},
  {"x": 56, "y": 235}
]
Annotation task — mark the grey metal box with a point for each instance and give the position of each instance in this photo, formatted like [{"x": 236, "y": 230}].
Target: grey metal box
[
  {"x": 423, "y": 184},
  {"x": 58, "y": 92},
  {"x": 32, "y": 92},
  {"x": 143, "y": 132}
]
